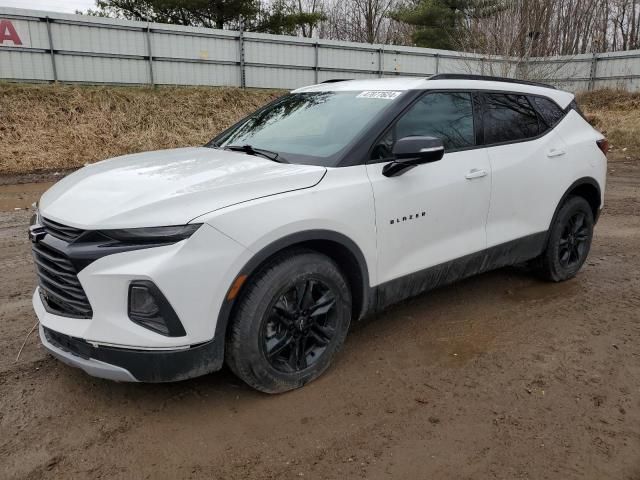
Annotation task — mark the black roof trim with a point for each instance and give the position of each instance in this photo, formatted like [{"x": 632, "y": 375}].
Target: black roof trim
[
  {"x": 336, "y": 80},
  {"x": 488, "y": 78}
]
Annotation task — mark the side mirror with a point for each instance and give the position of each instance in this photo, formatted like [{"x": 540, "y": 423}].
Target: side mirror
[{"x": 410, "y": 152}]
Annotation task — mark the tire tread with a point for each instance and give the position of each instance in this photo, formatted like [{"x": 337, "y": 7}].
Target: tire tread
[
  {"x": 547, "y": 265},
  {"x": 251, "y": 296}
]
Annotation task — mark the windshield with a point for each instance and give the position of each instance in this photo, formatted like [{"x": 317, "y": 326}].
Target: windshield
[{"x": 308, "y": 128}]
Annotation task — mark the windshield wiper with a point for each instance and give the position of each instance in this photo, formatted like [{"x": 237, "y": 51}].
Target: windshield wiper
[{"x": 249, "y": 150}]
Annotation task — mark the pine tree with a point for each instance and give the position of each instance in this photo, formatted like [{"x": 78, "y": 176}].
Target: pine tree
[
  {"x": 285, "y": 17},
  {"x": 199, "y": 13},
  {"x": 439, "y": 22}
]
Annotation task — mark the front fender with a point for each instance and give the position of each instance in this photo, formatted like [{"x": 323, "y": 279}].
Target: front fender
[{"x": 339, "y": 209}]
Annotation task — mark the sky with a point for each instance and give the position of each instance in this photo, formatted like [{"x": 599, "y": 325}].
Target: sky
[{"x": 66, "y": 6}]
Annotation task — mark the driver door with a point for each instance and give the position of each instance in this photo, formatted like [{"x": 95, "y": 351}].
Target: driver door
[{"x": 435, "y": 213}]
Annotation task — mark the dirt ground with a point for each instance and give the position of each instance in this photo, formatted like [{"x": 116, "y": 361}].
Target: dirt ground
[{"x": 499, "y": 376}]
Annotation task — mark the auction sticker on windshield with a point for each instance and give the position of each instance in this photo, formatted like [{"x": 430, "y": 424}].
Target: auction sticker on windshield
[{"x": 382, "y": 94}]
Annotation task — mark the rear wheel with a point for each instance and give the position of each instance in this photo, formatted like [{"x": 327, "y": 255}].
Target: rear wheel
[
  {"x": 291, "y": 320},
  {"x": 569, "y": 241}
]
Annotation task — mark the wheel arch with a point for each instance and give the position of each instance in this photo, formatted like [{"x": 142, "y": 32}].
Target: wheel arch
[
  {"x": 585, "y": 187},
  {"x": 340, "y": 248}
]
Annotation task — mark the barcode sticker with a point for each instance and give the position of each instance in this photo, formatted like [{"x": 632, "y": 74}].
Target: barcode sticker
[{"x": 380, "y": 94}]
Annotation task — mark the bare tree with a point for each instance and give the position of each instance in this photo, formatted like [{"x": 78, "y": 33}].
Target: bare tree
[
  {"x": 513, "y": 35},
  {"x": 517, "y": 28},
  {"x": 558, "y": 27},
  {"x": 372, "y": 14},
  {"x": 312, "y": 7},
  {"x": 364, "y": 21}
]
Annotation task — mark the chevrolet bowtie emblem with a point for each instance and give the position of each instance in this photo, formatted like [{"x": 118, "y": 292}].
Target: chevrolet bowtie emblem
[{"x": 36, "y": 233}]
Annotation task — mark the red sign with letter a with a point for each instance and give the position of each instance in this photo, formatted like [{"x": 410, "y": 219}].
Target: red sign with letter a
[{"x": 8, "y": 34}]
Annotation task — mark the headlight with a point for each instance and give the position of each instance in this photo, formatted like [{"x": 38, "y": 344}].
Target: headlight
[{"x": 152, "y": 234}]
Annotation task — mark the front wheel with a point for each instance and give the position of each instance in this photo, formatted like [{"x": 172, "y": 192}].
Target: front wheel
[
  {"x": 569, "y": 241},
  {"x": 291, "y": 320}
]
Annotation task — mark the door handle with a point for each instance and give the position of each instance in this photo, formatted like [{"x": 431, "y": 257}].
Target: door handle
[
  {"x": 475, "y": 173},
  {"x": 555, "y": 152}
]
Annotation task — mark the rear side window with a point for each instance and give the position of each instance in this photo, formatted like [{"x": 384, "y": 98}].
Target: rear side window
[
  {"x": 574, "y": 106},
  {"x": 550, "y": 112},
  {"x": 508, "y": 118}
]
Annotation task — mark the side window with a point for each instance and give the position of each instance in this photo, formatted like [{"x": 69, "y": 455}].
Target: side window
[
  {"x": 550, "y": 112},
  {"x": 574, "y": 106},
  {"x": 446, "y": 115},
  {"x": 508, "y": 118}
]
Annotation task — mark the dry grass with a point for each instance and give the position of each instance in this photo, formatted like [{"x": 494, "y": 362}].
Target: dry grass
[
  {"x": 615, "y": 113},
  {"x": 48, "y": 128},
  {"x": 45, "y": 128}
]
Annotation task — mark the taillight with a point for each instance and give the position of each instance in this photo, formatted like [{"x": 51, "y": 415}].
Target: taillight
[{"x": 603, "y": 145}]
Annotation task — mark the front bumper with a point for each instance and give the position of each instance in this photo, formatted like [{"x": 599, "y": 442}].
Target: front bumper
[
  {"x": 193, "y": 275},
  {"x": 130, "y": 365}
]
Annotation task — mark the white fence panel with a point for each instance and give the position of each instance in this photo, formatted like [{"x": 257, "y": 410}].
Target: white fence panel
[
  {"x": 192, "y": 73},
  {"x": 75, "y": 68},
  {"x": 409, "y": 63},
  {"x": 193, "y": 47},
  {"x": 50, "y": 46},
  {"x": 459, "y": 65},
  {"x": 88, "y": 38},
  {"x": 619, "y": 65},
  {"x": 17, "y": 65},
  {"x": 277, "y": 77},
  {"x": 334, "y": 57},
  {"x": 278, "y": 53},
  {"x": 31, "y": 32}
]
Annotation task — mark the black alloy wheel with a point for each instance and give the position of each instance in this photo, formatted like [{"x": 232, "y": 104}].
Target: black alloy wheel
[
  {"x": 569, "y": 241},
  {"x": 290, "y": 321},
  {"x": 574, "y": 241},
  {"x": 300, "y": 325}
]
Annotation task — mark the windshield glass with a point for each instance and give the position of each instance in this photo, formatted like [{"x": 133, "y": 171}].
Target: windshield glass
[{"x": 309, "y": 128}]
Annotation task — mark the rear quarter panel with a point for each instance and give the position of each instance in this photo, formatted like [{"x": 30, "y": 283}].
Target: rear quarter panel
[
  {"x": 528, "y": 183},
  {"x": 585, "y": 156}
]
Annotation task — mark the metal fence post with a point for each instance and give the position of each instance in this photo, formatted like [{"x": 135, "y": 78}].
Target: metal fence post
[
  {"x": 53, "y": 55},
  {"x": 150, "y": 52},
  {"x": 593, "y": 72},
  {"x": 243, "y": 82},
  {"x": 316, "y": 62},
  {"x": 267, "y": 64}
]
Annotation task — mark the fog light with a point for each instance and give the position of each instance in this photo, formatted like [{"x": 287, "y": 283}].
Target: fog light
[
  {"x": 149, "y": 308},
  {"x": 141, "y": 302}
]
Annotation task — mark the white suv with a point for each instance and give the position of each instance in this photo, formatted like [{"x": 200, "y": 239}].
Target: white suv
[{"x": 326, "y": 205}]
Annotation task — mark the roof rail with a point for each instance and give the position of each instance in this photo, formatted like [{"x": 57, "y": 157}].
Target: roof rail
[
  {"x": 488, "y": 78},
  {"x": 336, "y": 80}
]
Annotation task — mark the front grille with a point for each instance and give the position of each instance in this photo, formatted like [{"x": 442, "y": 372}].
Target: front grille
[
  {"x": 63, "y": 232},
  {"x": 60, "y": 288}
]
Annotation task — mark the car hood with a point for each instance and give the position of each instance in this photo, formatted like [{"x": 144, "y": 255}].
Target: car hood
[{"x": 168, "y": 187}]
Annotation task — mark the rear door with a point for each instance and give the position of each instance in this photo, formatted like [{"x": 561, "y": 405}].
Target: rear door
[
  {"x": 435, "y": 212},
  {"x": 524, "y": 152}
]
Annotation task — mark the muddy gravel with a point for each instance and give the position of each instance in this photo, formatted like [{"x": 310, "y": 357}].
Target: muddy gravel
[{"x": 499, "y": 376}]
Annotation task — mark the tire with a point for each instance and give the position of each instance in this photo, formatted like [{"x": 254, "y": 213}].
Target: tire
[
  {"x": 569, "y": 241},
  {"x": 291, "y": 320}
]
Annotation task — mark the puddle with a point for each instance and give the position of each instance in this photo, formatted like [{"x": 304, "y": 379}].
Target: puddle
[{"x": 21, "y": 196}]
